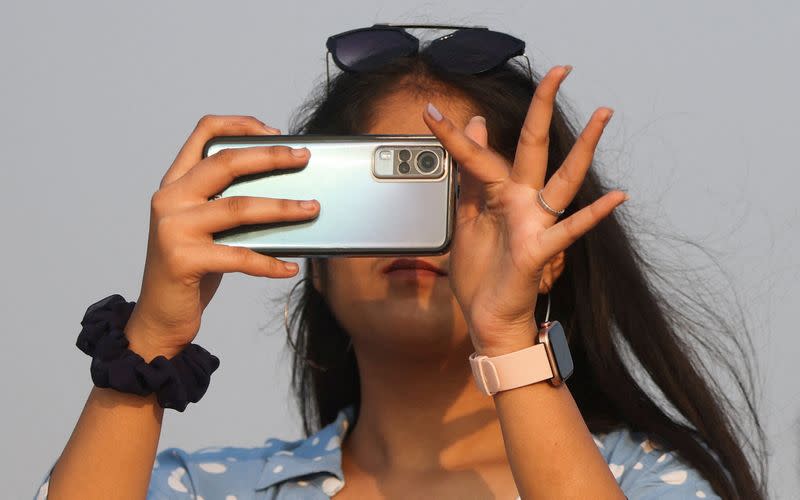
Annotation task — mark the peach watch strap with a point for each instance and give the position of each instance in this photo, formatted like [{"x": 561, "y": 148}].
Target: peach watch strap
[{"x": 508, "y": 371}]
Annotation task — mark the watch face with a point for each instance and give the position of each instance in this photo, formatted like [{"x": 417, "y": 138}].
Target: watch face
[{"x": 560, "y": 349}]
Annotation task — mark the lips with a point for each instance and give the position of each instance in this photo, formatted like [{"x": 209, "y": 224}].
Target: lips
[{"x": 398, "y": 264}]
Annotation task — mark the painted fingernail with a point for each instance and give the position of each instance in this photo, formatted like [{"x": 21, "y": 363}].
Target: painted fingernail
[
  {"x": 434, "y": 112},
  {"x": 299, "y": 152},
  {"x": 568, "y": 68}
]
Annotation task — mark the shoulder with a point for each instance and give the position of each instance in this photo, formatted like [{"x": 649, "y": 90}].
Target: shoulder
[
  {"x": 214, "y": 472},
  {"x": 645, "y": 469}
]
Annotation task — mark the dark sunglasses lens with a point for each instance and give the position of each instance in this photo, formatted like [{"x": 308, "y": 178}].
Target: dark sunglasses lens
[
  {"x": 473, "y": 51},
  {"x": 370, "y": 49}
]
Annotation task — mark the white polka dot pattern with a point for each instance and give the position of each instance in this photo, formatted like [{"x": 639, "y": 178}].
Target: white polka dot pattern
[
  {"x": 642, "y": 467},
  {"x": 647, "y": 446},
  {"x": 332, "y": 485},
  {"x": 174, "y": 481},
  {"x": 213, "y": 467},
  {"x": 42, "y": 494},
  {"x": 645, "y": 469},
  {"x": 674, "y": 477},
  {"x": 332, "y": 444}
]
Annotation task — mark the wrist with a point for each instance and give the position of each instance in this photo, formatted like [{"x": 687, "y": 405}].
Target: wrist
[
  {"x": 177, "y": 374},
  {"x": 504, "y": 341},
  {"x": 111, "y": 398},
  {"x": 140, "y": 342}
]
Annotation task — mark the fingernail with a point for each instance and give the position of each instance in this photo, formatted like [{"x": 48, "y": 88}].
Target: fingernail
[
  {"x": 607, "y": 118},
  {"x": 290, "y": 266},
  {"x": 308, "y": 204},
  {"x": 299, "y": 152},
  {"x": 478, "y": 118},
  {"x": 271, "y": 130},
  {"x": 569, "y": 68},
  {"x": 434, "y": 112},
  {"x": 627, "y": 197}
]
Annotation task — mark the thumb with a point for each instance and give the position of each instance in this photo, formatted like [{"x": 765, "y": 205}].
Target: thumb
[{"x": 476, "y": 130}]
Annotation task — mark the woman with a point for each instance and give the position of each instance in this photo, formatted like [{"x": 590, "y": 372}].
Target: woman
[{"x": 381, "y": 368}]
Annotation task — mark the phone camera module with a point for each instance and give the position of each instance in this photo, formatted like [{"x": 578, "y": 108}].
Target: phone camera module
[
  {"x": 427, "y": 161},
  {"x": 403, "y": 167},
  {"x": 404, "y": 155}
]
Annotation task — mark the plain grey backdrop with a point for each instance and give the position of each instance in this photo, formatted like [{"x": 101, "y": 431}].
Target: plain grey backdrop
[{"x": 97, "y": 98}]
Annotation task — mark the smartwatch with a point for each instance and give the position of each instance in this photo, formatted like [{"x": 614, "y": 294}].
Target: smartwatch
[{"x": 549, "y": 359}]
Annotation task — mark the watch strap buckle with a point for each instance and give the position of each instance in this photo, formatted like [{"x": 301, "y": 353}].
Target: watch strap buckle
[{"x": 512, "y": 370}]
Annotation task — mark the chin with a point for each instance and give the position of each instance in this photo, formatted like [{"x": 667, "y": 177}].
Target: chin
[{"x": 407, "y": 324}]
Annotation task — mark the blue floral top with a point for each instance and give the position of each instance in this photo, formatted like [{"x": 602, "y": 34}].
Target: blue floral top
[{"x": 311, "y": 469}]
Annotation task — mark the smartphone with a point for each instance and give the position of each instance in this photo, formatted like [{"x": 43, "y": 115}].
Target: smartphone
[{"x": 378, "y": 195}]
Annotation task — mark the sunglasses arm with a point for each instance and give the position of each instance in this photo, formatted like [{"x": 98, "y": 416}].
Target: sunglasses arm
[
  {"x": 528, "y": 61},
  {"x": 327, "y": 72}
]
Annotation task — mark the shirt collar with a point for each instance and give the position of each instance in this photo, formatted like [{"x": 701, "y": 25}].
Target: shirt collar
[{"x": 320, "y": 452}]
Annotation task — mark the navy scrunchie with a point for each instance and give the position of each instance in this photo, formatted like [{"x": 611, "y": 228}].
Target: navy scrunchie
[{"x": 176, "y": 381}]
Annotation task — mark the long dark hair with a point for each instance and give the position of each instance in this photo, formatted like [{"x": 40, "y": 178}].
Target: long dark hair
[{"x": 626, "y": 329}]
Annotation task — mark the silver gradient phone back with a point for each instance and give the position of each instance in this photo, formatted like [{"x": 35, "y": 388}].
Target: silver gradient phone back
[{"x": 360, "y": 214}]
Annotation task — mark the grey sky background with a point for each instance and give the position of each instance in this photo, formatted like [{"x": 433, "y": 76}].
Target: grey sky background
[{"x": 97, "y": 98}]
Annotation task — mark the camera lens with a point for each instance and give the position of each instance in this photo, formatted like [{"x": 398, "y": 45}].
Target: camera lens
[
  {"x": 403, "y": 168},
  {"x": 404, "y": 155},
  {"x": 427, "y": 161}
]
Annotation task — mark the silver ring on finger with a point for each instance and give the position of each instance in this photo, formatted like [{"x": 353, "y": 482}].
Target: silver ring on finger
[{"x": 546, "y": 207}]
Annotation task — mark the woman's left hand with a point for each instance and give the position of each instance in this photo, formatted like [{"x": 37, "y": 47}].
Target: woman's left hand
[{"x": 503, "y": 237}]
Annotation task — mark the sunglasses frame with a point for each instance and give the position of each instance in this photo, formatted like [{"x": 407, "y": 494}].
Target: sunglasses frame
[{"x": 401, "y": 28}]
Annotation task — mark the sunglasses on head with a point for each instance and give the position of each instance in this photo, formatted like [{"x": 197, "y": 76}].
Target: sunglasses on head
[{"x": 468, "y": 50}]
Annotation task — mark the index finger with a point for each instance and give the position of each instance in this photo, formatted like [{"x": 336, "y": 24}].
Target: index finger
[
  {"x": 207, "y": 127},
  {"x": 216, "y": 172},
  {"x": 483, "y": 163}
]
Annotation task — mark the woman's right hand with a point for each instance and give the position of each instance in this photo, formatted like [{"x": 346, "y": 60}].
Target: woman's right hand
[{"x": 184, "y": 266}]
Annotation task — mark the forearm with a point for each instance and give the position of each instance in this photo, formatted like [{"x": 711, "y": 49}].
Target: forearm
[
  {"x": 113, "y": 446},
  {"x": 550, "y": 449},
  {"x": 111, "y": 451}
]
